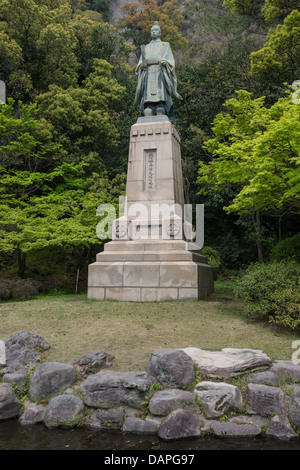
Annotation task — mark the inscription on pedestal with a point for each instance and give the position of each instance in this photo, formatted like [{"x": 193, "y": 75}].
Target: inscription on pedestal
[{"x": 150, "y": 165}]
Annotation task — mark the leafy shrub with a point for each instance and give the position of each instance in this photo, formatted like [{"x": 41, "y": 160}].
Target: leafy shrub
[
  {"x": 287, "y": 249},
  {"x": 213, "y": 259},
  {"x": 272, "y": 291},
  {"x": 286, "y": 309}
]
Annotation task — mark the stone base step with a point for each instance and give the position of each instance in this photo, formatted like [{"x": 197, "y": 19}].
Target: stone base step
[
  {"x": 149, "y": 280},
  {"x": 150, "y": 245},
  {"x": 144, "y": 294},
  {"x": 150, "y": 256}
]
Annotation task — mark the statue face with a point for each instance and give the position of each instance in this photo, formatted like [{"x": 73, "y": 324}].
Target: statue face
[{"x": 155, "y": 32}]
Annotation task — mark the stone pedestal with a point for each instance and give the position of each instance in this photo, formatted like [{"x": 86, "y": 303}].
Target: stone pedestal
[{"x": 148, "y": 258}]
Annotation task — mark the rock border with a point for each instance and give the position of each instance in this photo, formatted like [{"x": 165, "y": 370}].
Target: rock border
[{"x": 170, "y": 399}]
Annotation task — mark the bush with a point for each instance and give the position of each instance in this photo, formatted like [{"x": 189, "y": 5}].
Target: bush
[
  {"x": 272, "y": 291},
  {"x": 19, "y": 289},
  {"x": 289, "y": 248},
  {"x": 286, "y": 309},
  {"x": 213, "y": 259}
]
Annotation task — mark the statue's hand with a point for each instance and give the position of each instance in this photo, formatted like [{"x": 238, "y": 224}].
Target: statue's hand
[
  {"x": 143, "y": 66},
  {"x": 163, "y": 63}
]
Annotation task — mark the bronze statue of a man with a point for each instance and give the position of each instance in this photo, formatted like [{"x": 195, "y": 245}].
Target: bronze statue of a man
[{"x": 157, "y": 84}]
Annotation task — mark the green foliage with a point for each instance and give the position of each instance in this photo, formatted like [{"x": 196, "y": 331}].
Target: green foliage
[
  {"x": 46, "y": 44},
  {"x": 286, "y": 309},
  {"x": 98, "y": 40},
  {"x": 257, "y": 150},
  {"x": 52, "y": 44},
  {"x": 84, "y": 120},
  {"x": 272, "y": 291},
  {"x": 279, "y": 60},
  {"x": 279, "y": 9},
  {"x": 102, "y": 6},
  {"x": 286, "y": 249},
  {"x": 213, "y": 256},
  {"x": 44, "y": 203},
  {"x": 244, "y": 7},
  {"x": 213, "y": 259}
]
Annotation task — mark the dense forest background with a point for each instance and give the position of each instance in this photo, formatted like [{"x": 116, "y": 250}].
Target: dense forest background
[{"x": 69, "y": 68}]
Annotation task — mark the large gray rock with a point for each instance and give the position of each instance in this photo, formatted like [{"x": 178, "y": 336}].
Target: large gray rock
[
  {"x": 32, "y": 414},
  {"x": 27, "y": 339},
  {"x": 51, "y": 378},
  {"x": 165, "y": 401},
  {"x": 265, "y": 378},
  {"x": 263, "y": 399},
  {"x": 9, "y": 403},
  {"x": 140, "y": 426},
  {"x": 287, "y": 370},
  {"x": 108, "y": 388},
  {"x": 280, "y": 429},
  {"x": 64, "y": 411},
  {"x": 218, "y": 398},
  {"x": 227, "y": 362},
  {"x": 295, "y": 407},
  {"x": 234, "y": 430},
  {"x": 92, "y": 363},
  {"x": 17, "y": 379},
  {"x": 172, "y": 367},
  {"x": 23, "y": 350},
  {"x": 179, "y": 424},
  {"x": 112, "y": 418},
  {"x": 107, "y": 419},
  {"x": 256, "y": 420}
]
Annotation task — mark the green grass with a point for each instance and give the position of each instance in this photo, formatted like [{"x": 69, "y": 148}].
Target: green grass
[{"x": 74, "y": 325}]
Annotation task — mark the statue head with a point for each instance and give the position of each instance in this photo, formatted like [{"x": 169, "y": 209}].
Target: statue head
[{"x": 155, "y": 30}]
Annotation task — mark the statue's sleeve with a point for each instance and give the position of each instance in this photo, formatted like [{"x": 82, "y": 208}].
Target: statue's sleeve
[
  {"x": 138, "y": 65},
  {"x": 168, "y": 55},
  {"x": 169, "y": 72},
  {"x": 140, "y": 80}
]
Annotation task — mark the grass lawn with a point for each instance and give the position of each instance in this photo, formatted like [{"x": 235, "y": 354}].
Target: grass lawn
[{"x": 74, "y": 326}]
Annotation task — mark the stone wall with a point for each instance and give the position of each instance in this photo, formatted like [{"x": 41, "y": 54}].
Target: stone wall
[{"x": 183, "y": 392}]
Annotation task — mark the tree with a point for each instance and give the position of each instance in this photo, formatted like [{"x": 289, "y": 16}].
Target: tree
[
  {"x": 244, "y": 7},
  {"x": 102, "y": 6},
  {"x": 140, "y": 16},
  {"x": 255, "y": 150},
  {"x": 43, "y": 34},
  {"x": 279, "y": 60},
  {"x": 52, "y": 43},
  {"x": 84, "y": 120},
  {"x": 98, "y": 40},
  {"x": 279, "y": 9},
  {"x": 44, "y": 202}
]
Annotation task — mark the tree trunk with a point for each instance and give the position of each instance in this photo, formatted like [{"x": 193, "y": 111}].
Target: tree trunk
[
  {"x": 258, "y": 242},
  {"x": 21, "y": 262},
  {"x": 280, "y": 227},
  {"x": 187, "y": 190}
]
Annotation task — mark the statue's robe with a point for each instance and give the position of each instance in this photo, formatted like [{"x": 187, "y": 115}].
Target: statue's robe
[{"x": 156, "y": 83}]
